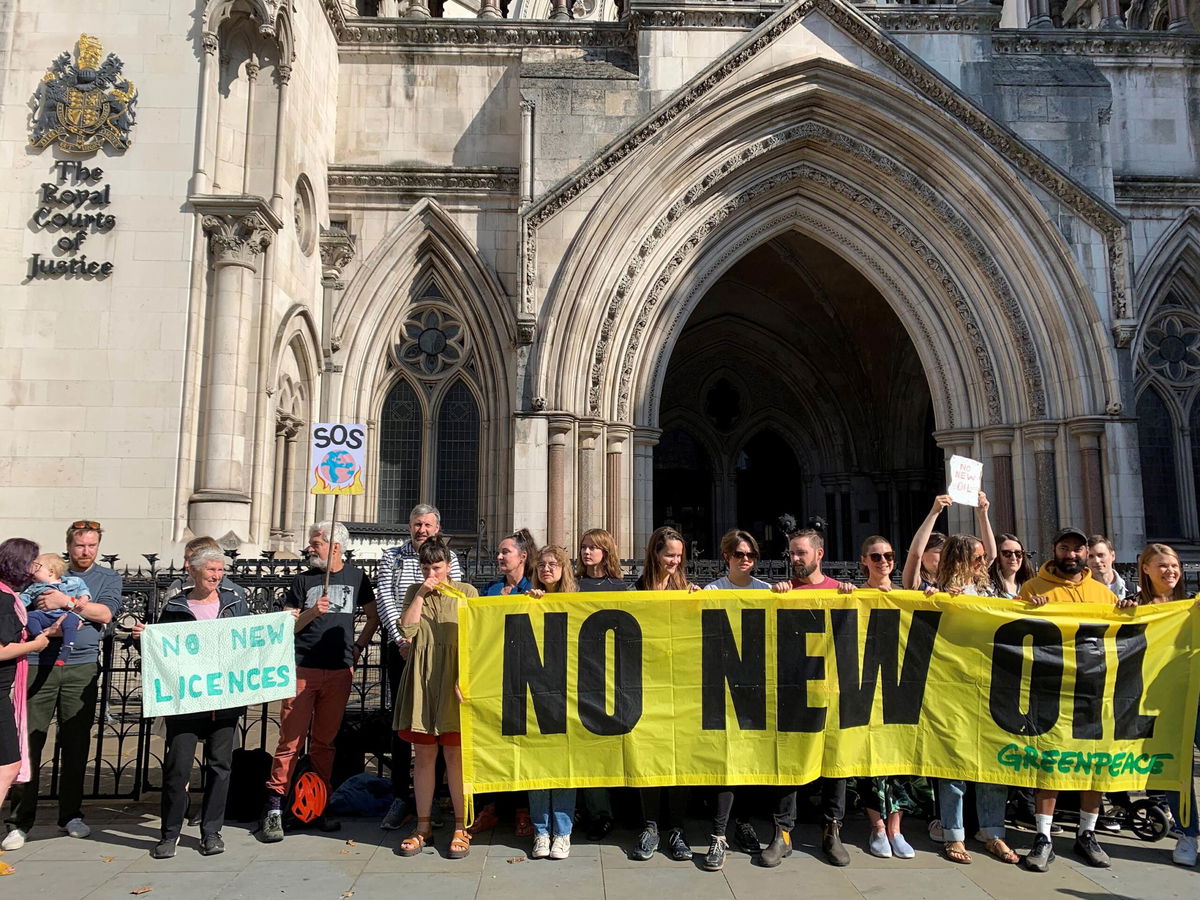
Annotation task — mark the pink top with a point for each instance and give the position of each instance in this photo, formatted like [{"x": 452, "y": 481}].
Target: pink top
[
  {"x": 204, "y": 611},
  {"x": 826, "y": 584}
]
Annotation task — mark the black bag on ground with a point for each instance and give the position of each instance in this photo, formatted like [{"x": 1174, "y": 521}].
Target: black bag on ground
[{"x": 248, "y": 775}]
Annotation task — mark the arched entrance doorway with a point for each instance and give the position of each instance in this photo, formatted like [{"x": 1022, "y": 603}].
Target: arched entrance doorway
[{"x": 795, "y": 389}]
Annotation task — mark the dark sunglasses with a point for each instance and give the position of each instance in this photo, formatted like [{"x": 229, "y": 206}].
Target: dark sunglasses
[
  {"x": 1013, "y": 554},
  {"x": 742, "y": 554},
  {"x": 880, "y": 557},
  {"x": 85, "y": 525}
]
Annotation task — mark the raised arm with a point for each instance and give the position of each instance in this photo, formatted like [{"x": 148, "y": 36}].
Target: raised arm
[
  {"x": 985, "y": 527},
  {"x": 911, "y": 578}
]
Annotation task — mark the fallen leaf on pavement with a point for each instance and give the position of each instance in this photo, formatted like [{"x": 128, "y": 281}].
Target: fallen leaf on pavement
[
  {"x": 144, "y": 889},
  {"x": 352, "y": 842},
  {"x": 107, "y": 858},
  {"x": 516, "y": 859}
]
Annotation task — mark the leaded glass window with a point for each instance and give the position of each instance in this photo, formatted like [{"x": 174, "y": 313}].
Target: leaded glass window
[
  {"x": 457, "y": 477},
  {"x": 1160, "y": 489},
  {"x": 399, "y": 453}
]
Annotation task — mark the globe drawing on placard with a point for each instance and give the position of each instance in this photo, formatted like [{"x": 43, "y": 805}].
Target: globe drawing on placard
[{"x": 338, "y": 469}]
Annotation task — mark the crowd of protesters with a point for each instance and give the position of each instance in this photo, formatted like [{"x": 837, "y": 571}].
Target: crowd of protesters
[{"x": 53, "y": 615}]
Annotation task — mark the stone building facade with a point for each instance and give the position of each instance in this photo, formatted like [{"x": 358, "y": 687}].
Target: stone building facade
[{"x": 584, "y": 264}]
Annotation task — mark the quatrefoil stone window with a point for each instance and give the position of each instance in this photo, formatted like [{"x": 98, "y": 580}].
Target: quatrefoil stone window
[
  {"x": 1173, "y": 348},
  {"x": 432, "y": 343}
]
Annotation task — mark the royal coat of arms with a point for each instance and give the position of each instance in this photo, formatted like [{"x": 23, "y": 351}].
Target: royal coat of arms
[{"x": 84, "y": 106}]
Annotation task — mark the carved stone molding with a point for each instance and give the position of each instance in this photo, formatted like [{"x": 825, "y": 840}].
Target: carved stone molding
[
  {"x": 360, "y": 33},
  {"x": 694, "y": 240},
  {"x": 936, "y": 91},
  {"x": 1144, "y": 44},
  {"x": 387, "y": 182},
  {"x": 812, "y": 132},
  {"x": 1156, "y": 189},
  {"x": 337, "y": 249},
  {"x": 716, "y": 15},
  {"x": 933, "y": 19},
  {"x": 239, "y": 229}
]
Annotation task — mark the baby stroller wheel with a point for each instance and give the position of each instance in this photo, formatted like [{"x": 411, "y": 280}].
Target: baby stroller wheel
[{"x": 1147, "y": 819}]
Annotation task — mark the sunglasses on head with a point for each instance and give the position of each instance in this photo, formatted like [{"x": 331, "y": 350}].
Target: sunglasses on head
[
  {"x": 85, "y": 525},
  {"x": 743, "y": 554},
  {"x": 1013, "y": 554},
  {"x": 890, "y": 556}
]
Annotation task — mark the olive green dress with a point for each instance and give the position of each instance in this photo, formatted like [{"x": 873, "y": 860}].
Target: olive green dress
[{"x": 425, "y": 699}]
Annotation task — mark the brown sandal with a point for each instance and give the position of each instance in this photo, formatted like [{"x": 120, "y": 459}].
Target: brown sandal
[
  {"x": 460, "y": 844},
  {"x": 1000, "y": 850},
  {"x": 956, "y": 852},
  {"x": 418, "y": 840}
]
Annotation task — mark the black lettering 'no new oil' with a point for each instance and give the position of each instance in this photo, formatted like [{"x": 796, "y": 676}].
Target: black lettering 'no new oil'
[
  {"x": 527, "y": 673},
  {"x": 903, "y": 683},
  {"x": 593, "y": 672},
  {"x": 746, "y": 672}
]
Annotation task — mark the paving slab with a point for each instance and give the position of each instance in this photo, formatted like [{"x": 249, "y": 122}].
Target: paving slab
[
  {"x": 310, "y": 880},
  {"x": 679, "y": 881},
  {"x": 580, "y": 878},
  {"x": 423, "y": 885},
  {"x": 916, "y": 883},
  {"x": 174, "y": 885},
  {"x": 793, "y": 879}
]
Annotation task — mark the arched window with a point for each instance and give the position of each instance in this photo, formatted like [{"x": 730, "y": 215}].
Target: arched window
[
  {"x": 457, "y": 479},
  {"x": 1160, "y": 488},
  {"x": 399, "y": 453}
]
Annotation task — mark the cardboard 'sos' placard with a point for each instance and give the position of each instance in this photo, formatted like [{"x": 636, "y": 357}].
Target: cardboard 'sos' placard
[{"x": 190, "y": 667}]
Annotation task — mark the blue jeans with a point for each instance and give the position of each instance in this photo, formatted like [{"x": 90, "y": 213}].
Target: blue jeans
[
  {"x": 1192, "y": 829},
  {"x": 558, "y": 804},
  {"x": 989, "y": 805}
]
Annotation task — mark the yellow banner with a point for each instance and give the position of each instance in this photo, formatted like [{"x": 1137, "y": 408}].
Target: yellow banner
[{"x": 751, "y": 687}]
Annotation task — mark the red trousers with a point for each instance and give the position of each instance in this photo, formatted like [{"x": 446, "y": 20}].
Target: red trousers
[{"x": 316, "y": 712}]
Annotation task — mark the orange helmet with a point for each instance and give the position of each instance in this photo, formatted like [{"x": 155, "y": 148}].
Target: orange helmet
[{"x": 309, "y": 795}]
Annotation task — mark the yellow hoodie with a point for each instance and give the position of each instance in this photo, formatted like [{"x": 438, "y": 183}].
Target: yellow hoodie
[{"x": 1049, "y": 583}]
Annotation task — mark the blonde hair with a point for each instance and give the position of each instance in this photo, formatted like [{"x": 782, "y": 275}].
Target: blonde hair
[
  {"x": 602, "y": 541},
  {"x": 55, "y": 563},
  {"x": 1145, "y": 585},
  {"x": 566, "y": 581}
]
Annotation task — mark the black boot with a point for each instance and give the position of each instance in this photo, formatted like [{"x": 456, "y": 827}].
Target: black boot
[
  {"x": 779, "y": 848},
  {"x": 831, "y": 845}
]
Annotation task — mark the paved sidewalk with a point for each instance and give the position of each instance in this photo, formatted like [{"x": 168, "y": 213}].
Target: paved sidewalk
[{"x": 360, "y": 862}]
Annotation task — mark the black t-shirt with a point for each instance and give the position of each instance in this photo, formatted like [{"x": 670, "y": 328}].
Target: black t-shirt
[
  {"x": 327, "y": 642},
  {"x": 604, "y": 583},
  {"x": 10, "y": 633}
]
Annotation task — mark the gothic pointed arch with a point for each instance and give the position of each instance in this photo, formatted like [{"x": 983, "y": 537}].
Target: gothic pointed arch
[
  {"x": 1173, "y": 262},
  {"x": 942, "y": 208},
  {"x": 425, "y": 304}
]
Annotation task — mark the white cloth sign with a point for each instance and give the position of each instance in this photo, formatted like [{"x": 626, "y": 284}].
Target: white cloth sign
[
  {"x": 966, "y": 480},
  {"x": 190, "y": 667}
]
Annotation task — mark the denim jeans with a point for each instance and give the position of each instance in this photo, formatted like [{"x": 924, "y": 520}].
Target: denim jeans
[
  {"x": 557, "y": 805},
  {"x": 1192, "y": 829},
  {"x": 989, "y": 804}
]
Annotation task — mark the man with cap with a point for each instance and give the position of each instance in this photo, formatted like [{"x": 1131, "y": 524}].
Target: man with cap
[{"x": 1065, "y": 578}]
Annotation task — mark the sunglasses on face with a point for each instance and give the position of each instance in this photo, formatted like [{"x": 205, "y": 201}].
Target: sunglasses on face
[
  {"x": 1013, "y": 554},
  {"x": 880, "y": 557},
  {"x": 742, "y": 554}
]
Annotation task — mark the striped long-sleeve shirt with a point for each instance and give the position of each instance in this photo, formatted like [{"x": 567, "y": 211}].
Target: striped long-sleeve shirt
[{"x": 399, "y": 568}]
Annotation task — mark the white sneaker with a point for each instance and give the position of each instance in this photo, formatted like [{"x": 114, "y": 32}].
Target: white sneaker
[
  {"x": 1185, "y": 851},
  {"x": 14, "y": 840},
  {"x": 541, "y": 846},
  {"x": 560, "y": 847},
  {"x": 935, "y": 831},
  {"x": 76, "y": 828}
]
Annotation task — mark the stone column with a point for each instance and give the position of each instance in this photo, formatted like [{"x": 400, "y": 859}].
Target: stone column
[
  {"x": 239, "y": 231},
  {"x": 644, "y": 441},
  {"x": 1089, "y": 436},
  {"x": 559, "y": 11},
  {"x": 388, "y": 9},
  {"x": 616, "y": 438},
  {"x": 1177, "y": 11},
  {"x": 526, "y": 171},
  {"x": 417, "y": 9},
  {"x": 1039, "y": 14},
  {"x": 1110, "y": 15},
  {"x": 960, "y": 519},
  {"x": 556, "y": 478},
  {"x": 998, "y": 441},
  {"x": 201, "y": 178},
  {"x": 590, "y": 474},
  {"x": 1043, "y": 437},
  {"x": 338, "y": 248},
  {"x": 252, "y": 69},
  {"x": 489, "y": 9}
]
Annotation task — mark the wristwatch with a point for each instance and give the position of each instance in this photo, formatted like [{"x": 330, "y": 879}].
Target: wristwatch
[{"x": 71, "y": 604}]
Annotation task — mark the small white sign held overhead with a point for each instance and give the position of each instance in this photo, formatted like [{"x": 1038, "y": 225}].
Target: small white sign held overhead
[
  {"x": 966, "y": 480},
  {"x": 338, "y": 459}
]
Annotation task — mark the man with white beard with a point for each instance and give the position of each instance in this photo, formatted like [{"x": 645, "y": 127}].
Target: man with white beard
[{"x": 326, "y": 653}]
